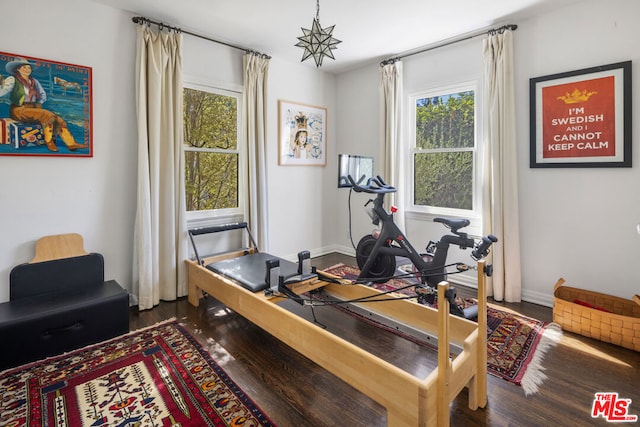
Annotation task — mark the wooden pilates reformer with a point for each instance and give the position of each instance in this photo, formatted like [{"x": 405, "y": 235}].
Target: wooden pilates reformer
[{"x": 409, "y": 401}]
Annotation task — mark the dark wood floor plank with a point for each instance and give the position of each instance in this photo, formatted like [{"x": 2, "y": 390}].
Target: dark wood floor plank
[{"x": 296, "y": 392}]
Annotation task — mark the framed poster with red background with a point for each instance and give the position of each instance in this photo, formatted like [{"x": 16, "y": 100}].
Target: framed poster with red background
[{"x": 582, "y": 118}]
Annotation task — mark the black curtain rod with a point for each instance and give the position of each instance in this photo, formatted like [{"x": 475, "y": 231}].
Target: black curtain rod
[
  {"x": 492, "y": 31},
  {"x": 162, "y": 25}
]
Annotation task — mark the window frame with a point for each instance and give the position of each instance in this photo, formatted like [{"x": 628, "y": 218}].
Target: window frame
[
  {"x": 429, "y": 212},
  {"x": 220, "y": 216}
]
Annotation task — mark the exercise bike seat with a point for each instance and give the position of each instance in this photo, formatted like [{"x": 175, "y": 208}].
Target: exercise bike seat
[{"x": 453, "y": 224}]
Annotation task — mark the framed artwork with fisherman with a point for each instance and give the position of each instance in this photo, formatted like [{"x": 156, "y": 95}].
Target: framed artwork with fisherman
[{"x": 45, "y": 107}]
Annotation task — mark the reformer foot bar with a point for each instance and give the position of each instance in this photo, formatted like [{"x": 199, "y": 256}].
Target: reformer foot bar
[{"x": 409, "y": 401}]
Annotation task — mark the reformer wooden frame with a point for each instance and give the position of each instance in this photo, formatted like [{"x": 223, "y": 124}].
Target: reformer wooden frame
[{"x": 409, "y": 401}]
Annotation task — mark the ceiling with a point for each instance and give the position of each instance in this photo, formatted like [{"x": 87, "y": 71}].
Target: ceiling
[{"x": 370, "y": 30}]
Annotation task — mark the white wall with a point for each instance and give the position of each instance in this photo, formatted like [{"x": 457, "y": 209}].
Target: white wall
[
  {"x": 579, "y": 224},
  {"x": 359, "y": 132},
  {"x": 96, "y": 196},
  {"x": 92, "y": 196},
  {"x": 301, "y": 197}
]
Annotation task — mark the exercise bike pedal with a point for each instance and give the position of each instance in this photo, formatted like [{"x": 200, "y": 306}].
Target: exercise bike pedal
[
  {"x": 488, "y": 270},
  {"x": 470, "y": 313},
  {"x": 461, "y": 267},
  {"x": 425, "y": 295}
]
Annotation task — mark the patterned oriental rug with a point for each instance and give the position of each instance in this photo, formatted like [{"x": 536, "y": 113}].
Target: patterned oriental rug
[
  {"x": 516, "y": 344},
  {"x": 159, "y": 376}
]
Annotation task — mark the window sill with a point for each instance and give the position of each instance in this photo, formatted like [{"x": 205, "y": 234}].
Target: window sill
[
  {"x": 209, "y": 221},
  {"x": 475, "y": 228}
]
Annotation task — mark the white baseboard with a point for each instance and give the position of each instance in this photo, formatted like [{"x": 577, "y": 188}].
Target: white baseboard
[
  {"x": 345, "y": 250},
  {"x": 325, "y": 250},
  {"x": 533, "y": 297},
  {"x": 539, "y": 298},
  {"x": 461, "y": 279}
]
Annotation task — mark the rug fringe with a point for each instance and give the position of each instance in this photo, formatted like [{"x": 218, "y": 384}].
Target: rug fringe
[
  {"x": 160, "y": 322},
  {"x": 334, "y": 266},
  {"x": 534, "y": 375}
]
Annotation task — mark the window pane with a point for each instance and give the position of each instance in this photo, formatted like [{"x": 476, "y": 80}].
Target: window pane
[
  {"x": 444, "y": 180},
  {"x": 211, "y": 180},
  {"x": 445, "y": 121},
  {"x": 210, "y": 120}
]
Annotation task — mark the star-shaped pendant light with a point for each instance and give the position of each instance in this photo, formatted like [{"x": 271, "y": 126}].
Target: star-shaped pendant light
[{"x": 317, "y": 42}]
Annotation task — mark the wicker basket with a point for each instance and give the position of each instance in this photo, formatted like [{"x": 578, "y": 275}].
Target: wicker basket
[{"x": 592, "y": 314}]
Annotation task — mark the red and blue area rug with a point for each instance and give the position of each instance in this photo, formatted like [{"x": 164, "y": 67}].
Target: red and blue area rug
[
  {"x": 159, "y": 376},
  {"x": 516, "y": 344}
]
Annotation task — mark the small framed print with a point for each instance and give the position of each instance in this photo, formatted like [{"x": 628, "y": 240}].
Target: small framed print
[
  {"x": 582, "y": 118},
  {"x": 302, "y": 134}
]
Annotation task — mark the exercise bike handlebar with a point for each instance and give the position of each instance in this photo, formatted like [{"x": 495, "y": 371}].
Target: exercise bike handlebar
[
  {"x": 374, "y": 185},
  {"x": 482, "y": 250}
]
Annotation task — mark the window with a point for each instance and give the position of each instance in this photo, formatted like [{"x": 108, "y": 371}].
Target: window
[
  {"x": 444, "y": 158},
  {"x": 213, "y": 152}
]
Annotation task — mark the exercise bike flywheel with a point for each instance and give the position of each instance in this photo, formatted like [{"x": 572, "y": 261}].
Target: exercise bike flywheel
[{"x": 384, "y": 265}]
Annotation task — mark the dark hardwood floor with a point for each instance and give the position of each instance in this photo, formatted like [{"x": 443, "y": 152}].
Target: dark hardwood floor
[{"x": 294, "y": 391}]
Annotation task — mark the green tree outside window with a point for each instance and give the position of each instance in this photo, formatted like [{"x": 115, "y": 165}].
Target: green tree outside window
[
  {"x": 211, "y": 150},
  {"x": 443, "y": 155}
]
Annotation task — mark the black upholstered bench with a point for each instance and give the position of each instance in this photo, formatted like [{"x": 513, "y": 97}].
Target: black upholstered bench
[{"x": 60, "y": 305}]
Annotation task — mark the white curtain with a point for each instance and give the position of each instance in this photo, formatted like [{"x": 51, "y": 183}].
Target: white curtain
[
  {"x": 256, "y": 69},
  {"x": 500, "y": 204},
  {"x": 160, "y": 238},
  {"x": 391, "y": 122}
]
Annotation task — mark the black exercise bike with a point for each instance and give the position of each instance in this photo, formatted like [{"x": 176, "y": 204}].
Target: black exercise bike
[{"x": 376, "y": 253}]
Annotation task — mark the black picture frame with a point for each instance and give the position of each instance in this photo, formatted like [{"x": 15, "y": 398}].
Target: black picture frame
[{"x": 581, "y": 118}]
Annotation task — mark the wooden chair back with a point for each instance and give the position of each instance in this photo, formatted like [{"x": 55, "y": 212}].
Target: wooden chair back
[{"x": 59, "y": 246}]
